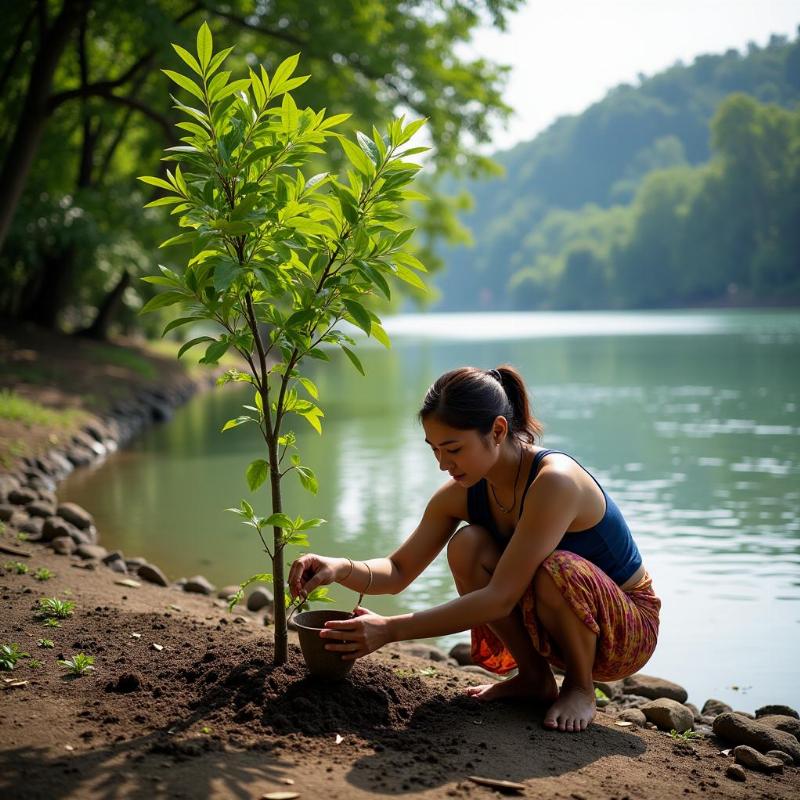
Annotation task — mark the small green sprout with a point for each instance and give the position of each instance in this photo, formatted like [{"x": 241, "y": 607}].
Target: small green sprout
[
  {"x": 78, "y": 664},
  {"x": 9, "y": 655},
  {"x": 22, "y": 536},
  {"x": 16, "y": 566},
  {"x": 50, "y": 622},
  {"x": 601, "y": 698},
  {"x": 428, "y": 672},
  {"x": 53, "y": 607},
  {"x": 43, "y": 574},
  {"x": 34, "y": 663},
  {"x": 686, "y": 736},
  {"x": 205, "y": 729},
  {"x": 45, "y": 643}
]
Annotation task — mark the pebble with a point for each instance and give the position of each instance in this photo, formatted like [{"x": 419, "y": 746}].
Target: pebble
[
  {"x": 633, "y": 715},
  {"x": 259, "y": 598},
  {"x": 736, "y": 773},
  {"x": 773, "y": 710},
  {"x": 76, "y": 515},
  {"x": 152, "y": 574},
  {"x": 199, "y": 585},
  {"x": 750, "y": 757},
  {"x": 780, "y": 756},
  {"x": 669, "y": 714},
  {"x": 654, "y": 688}
]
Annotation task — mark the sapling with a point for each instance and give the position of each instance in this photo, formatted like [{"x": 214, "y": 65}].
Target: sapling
[
  {"x": 272, "y": 248},
  {"x": 52, "y": 622},
  {"x": 47, "y": 643},
  {"x": 55, "y": 608},
  {"x": 9, "y": 655},
  {"x": 43, "y": 574},
  {"x": 78, "y": 664},
  {"x": 16, "y": 566}
]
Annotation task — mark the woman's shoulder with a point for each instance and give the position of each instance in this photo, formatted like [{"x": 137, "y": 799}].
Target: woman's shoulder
[{"x": 450, "y": 498}]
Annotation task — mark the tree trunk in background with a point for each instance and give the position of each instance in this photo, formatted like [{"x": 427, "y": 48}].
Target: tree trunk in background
[
  {"x": 49, "y": 289},
  {"x": 33, "y": 116},
  {"x": 108, "y": 309}
]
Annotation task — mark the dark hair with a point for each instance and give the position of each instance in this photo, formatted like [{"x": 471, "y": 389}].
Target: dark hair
[{"x": 469, "y": 398}]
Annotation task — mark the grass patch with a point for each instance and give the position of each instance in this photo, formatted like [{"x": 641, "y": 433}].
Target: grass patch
[
  {"x": 16, "y": 408},
  {"x": 121, "y": 357}
]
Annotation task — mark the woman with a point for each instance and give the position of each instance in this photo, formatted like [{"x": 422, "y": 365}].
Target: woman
[{"x": 546, "y": 567}]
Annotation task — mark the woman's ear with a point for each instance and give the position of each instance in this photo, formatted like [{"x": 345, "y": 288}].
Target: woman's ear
[{"x": 499, "y": 430}]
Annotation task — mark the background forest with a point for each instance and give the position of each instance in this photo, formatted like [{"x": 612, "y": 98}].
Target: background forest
[{"x": 682, "y": 190}]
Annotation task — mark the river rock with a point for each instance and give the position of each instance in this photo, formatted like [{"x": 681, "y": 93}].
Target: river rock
[
  {"x": 80, "y": 456},
  {"x": 780, "y": 756},
  {"x": 7, "y": 511},
  {"x": 33, "y": 527},
  {"x": 39, "y": 508},
  {"x": 91, "y": 551},
  {"x": 628, "y": 701},
  {"x": 22, "y": 496},
  {"x": 133, "y": 564},
  {"x": 199, "y": 585},
  {"x": 226, "y": 592},
  {"x": 8, "y": 483},
  {"x": 654, "y": 688},
  {"x": 259, "y": 598},
  {"x": 751, "y": 758},
  {"x": 740, "y": 730},
  {"x": 766, "y": 711},
  {"x": 60, "y": 466},
  {"x": 712, "y": 707},
  {"x": 54, "y": 527},
  {"x": 695, "y": 711},
  {"x": 152, "y": 574},
  {"x": 73, "y": 513},
  {"x": 669, "y": 714},
  {"x": 63, "y": 545},
  {"x": 736, "y": 772},
  {"x": 461, "y": 653},
  {"x": 611, "y": 689},
  {"x": 782, "y": 723},
  {"x": 634, "y": 715}
]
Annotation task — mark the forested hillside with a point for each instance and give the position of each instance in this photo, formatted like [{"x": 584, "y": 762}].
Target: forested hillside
[{"x": 681, "y": 190}]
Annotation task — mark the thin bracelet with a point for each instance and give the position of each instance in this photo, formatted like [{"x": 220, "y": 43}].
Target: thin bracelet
[
  {"x": 349, "y": 573},
  {"x": 361, "y": 596}
]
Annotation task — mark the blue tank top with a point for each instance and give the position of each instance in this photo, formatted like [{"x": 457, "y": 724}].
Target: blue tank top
[{"x": 608, "y": 544}]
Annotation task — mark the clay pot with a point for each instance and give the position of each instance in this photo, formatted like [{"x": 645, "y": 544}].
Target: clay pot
[{"x": 321, "y": 662}]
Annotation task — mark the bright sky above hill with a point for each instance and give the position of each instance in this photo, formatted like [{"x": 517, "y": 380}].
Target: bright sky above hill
[{"x": 566, "y": 54}]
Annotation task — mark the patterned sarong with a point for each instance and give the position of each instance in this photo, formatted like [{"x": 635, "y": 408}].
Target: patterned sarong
[{"x": 626, "y": 623}]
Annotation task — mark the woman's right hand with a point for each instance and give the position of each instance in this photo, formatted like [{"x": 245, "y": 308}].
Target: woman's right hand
[{"x": 310, "y": 571}]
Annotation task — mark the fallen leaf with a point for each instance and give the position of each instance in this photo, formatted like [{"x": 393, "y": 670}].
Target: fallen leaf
[
  {"x": 339, "y": 738},
  {"x": 498, "y": 784},
  {"x": 128, "y": 582},
  {"x": 68, "y": 747},
  {"x": 158, "y": 647},
  {"x": 623, "y": 723},
  {"x": 11, "y": 683},
  {"x": 173, "y": 606},
  {"x": 280, "y": 796},
  {"x": 726, "y": 752}
]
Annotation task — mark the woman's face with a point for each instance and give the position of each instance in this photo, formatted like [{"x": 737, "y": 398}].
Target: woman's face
[{"x": 465, "y": 454}]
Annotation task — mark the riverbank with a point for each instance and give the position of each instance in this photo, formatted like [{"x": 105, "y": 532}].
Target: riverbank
[{"x": 182, "y": 701}]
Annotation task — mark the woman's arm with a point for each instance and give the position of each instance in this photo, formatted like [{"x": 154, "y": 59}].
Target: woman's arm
[{"x": 551, "y": 507}]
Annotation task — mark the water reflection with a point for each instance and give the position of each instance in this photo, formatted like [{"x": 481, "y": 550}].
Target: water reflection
[{"x": 688, "y": 419}]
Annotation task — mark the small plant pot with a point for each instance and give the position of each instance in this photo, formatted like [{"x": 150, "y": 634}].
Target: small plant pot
[{"x": 321, "y": 662}]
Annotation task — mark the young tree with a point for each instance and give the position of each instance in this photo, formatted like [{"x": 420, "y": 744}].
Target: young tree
[{"x": 272, "y": 247}]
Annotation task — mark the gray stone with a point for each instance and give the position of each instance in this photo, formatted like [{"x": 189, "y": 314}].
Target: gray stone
[
  {"x": 462, "y": 653},
  {"x": 18, "y": 518},
  {"x": 76, "y": 515},
  {"x": 133, "y": 564},
  {"x": 63, "y": 545},
  {"x": 744, "y": 714},
  {"x": 54, "y": 527},
  {"x": 669, "y": 715},
  {"x": 750, "y": 757},
  {"x": 199, "y": 585},
  {"x": 736, "y": 772},
  {"x": 152, "y": 574},
  {"x": 422, "y": 651},
  {"x": 32, "y": 526},
  {"x": 712, "y": 707},
  {"x": 259, "y": 598},
  {"x": 695, "y": 711},
  {"x": 782, "y": 723},
  {"x": 741, "y": 730},
  {"x": 228, "y": 591},
  {"x": 91, "y": 551},
  {"x": 80, "y": 456},
  {"x": 118, "y": 566},
  {"x": 114, "y": 555},
  {"x": 7, "y": 484},
  {"x": 22, "y": 496},
  {"x": 39, "y": 508},
  {"x": 780, "y": 756},
  {"x": 628, "y": 701},
  {"x": 766, "y": 711},
  {"x": 61, "y": 465},
  {"x": 7, "y": 511},
  {"x": 654, "y": 688},
  {"x": 634, "y": 715},
  {"x": 611, "y": 689}
]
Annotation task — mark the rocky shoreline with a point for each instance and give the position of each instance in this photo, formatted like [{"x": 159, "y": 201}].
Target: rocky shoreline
[{"x": 767, "y": 742}]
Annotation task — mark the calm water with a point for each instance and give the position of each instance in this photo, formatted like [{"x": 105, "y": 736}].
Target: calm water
[{"x": 690, "y": 421}]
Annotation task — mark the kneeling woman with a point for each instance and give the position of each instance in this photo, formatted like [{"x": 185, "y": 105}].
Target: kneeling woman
[{"x": 546, "y": 566}]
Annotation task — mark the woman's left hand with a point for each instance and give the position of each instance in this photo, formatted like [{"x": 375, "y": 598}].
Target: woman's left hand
[{"x": 359, "y": 636}]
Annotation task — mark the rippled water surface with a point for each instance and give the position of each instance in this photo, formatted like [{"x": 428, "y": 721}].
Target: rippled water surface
[{"x": 690, "y": 421}]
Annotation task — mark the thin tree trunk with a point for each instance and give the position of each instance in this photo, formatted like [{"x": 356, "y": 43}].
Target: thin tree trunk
[
  {"x": 50, "y": 287},
  {"x": 107, "y": 311},
  {"x": 33, "y": 116},
  {"x": 281, "y": 635}
]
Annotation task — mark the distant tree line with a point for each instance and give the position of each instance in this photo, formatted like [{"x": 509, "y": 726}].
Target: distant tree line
[{"x": 676, "y": 192}]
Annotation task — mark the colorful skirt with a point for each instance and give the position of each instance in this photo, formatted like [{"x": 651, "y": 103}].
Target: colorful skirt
[{"x": 625, "y": 622}]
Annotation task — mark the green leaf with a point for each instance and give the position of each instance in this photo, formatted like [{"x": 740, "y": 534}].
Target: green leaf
[
  {"x": 311, "y": 523},
  {"x": 409, "y": 276},
  {"x": 319, "y": 595},
  {"x": 257, "y": 473},
  {"x": 162, "y": 301},
  {"x": 359, "y": 314},
  {"x": 289, "y": 113},
  {"x": 215, "y": 62},
  {"x": 308, "y": 479},
  {"x": 369, "y": 147},
  {"x": 224, "y": 275},
  {"x": 353, "y": 358},
  {"x": 356, "y": 156},
  {"x": 280, "y": 521},
  {"x": 192, "y": 342},
  {"x": 188, "y": 59},
  {"x": 176, "y": 323},
  {"x": 312, "y": 416},
  {"x": 215, "y": 351},
  {"x": 185, "y": 83},
  {"x": 411, "y": 129},
  {"x": 310, "y": 387},
  {"x": 181, "y": 238},
  {"x": 160, "y": 182},
  {"x": 204, "y": 45},
  {"x": 284, "y": 71},
  {"x": 380, "y": 334},
  {"x": 233, "y": 423}
]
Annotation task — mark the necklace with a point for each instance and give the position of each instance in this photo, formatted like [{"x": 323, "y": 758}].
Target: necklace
[{"x": 516, "y": 479}]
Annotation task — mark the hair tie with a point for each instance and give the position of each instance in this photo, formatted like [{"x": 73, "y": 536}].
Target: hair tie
[{"x": 496, "y": 375}]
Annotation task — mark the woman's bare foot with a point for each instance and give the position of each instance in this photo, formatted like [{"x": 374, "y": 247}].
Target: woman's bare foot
[
  {"x": 542, "y": 688},
  {"x": 573, "y": 711}
]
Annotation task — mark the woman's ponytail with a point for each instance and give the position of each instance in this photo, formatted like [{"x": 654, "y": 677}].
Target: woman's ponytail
[{"x": 525, "y": 426}]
